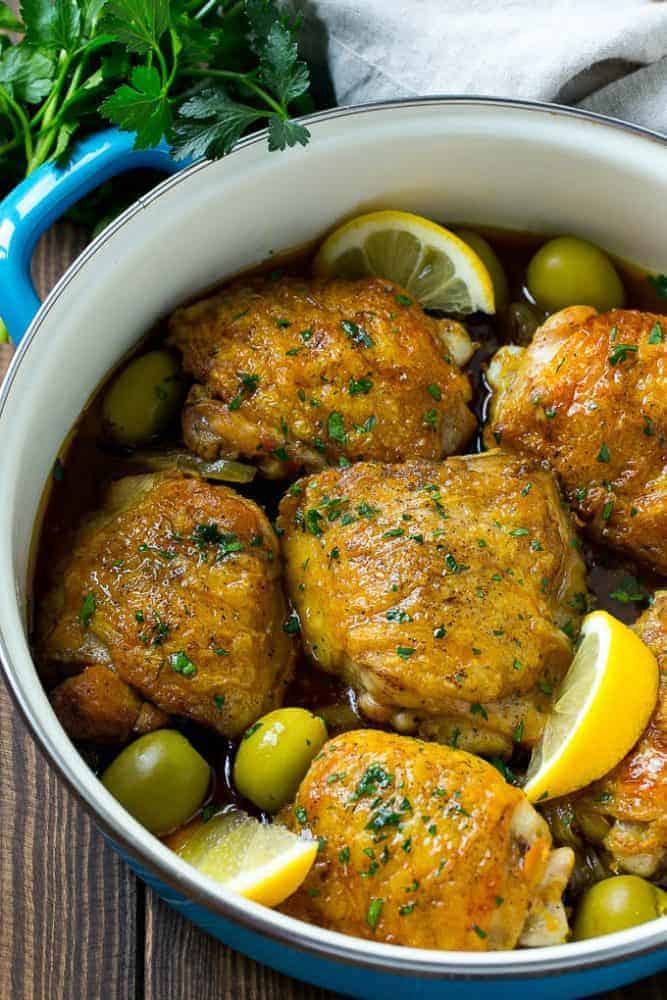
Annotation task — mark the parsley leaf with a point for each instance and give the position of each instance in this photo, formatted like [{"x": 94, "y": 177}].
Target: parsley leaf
[
  {"x": 210, "y": 124},
  {"x": 138, "y": 24},
  {"x": 142, "y": 107},
  {"x": 283, "y": 133},
  {"x": 26, "y": 74},
  {"x": 52, "y": 26},
  {"x": 280, "y": 68}
]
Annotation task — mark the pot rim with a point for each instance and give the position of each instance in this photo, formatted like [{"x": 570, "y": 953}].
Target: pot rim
[{"x": 163, "y": 864}]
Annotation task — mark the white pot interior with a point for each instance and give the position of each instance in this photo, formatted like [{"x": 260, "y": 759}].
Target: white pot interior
[{"x": 510, "y": 166}]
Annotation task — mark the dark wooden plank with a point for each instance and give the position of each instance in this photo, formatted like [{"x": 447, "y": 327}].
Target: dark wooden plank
[
  {"x": 67, "y": 902},
  {"x": 181, "y": 961}
]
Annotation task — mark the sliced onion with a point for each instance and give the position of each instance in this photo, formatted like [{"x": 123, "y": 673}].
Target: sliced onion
[{"x": 221, "y": 470}]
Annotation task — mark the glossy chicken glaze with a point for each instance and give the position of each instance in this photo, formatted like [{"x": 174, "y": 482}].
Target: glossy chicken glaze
[
  {"x": 163, "y": 598},
  {"x": 589, "y": 396},
  {"x": 424, "y": 845},
  {"x": 293, "y": 373},
  {"x": 439, "y": 592}
]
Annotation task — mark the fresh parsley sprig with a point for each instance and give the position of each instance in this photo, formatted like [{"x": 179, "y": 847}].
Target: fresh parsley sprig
[{"x": 199, "y": 72}]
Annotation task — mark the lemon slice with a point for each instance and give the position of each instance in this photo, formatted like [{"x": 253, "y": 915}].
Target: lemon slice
[
  {"x": 265, "y": 863},
  {"x": 434, "y": 265},
  {"x": 599, "y": 712}
]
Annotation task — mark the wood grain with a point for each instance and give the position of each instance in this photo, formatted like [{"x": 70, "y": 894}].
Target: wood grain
[{"x": 76, "y": 925}]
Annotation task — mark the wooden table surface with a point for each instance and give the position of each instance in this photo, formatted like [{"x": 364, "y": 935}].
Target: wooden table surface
[{"x": 75, "y": 922}]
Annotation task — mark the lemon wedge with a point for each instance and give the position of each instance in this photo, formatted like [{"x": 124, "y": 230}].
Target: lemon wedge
[
  {"x": 265, "y": 863},
  {"x": 601, "y": 709},
  {"x": 430, "y": 262}
]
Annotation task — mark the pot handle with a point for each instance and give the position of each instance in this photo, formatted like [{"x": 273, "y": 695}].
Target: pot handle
[{"x": 44, "y": 196}]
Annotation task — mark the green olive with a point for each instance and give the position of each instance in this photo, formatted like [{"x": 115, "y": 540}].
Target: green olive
[
  {"x": 144, "y": 398},
  {"x": 160, "y": 779},
  {"x": 568, "y": 271},
  {"x": 489, "y": 258},
  {"x": 616, "y": 903},
  {"x": 275, "y": 754}
]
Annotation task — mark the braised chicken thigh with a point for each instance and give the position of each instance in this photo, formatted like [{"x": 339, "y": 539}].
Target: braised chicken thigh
[
  {"x": 425, "y": 846},
  {"x": 626, "y": 812},
  {"x": 169, "y": 602},
  {"x": 589, "y": 396},
  {"x": 447, "y": 594},
  {"x": 297, "y": 374}
]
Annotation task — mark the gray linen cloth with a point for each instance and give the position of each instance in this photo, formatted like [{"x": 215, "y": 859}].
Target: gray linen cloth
[{"x": 606, "y": 55}]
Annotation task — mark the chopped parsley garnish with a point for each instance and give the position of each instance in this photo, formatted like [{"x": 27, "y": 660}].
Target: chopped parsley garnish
[
  {"x": 374, "y": 777},
  {"x": 440, "y": 632},
  {"x": 545, "y": 687},
  {"x": 374, "y": 912},
  {"x": 336, "y": 427},
  {"x": 405, "y": 911},
  {"x": 479, "y": 932},
  {"x": 453, "y": 566},
  {"x": 519, "y": 532},
  {"x": 629, "y": 590},
  {"x": 368, "y": 425},
  {"x": 360, "y": 386},
  {"x": 313, "y": 520},
  {"x": 430, "y": 418},
  {"x": 403, "y": 300},
  {"x": 656, "y": 335},
  {"x": 88, "y": 609},
  {"x": 384, "y": 816},
  {"x": 208, "y": 811},
  {"x": 394, "y": 533},
  {"x": 477, "y": 709},
  {"x": 517, "y": 735},
  {"x": 301, "y": 815},
  {"x": 181, "y": 664},
  {"x": 620, "y": 353},
  {"x": 248, "y": 385},
  {"x": 219, "y": 701},
  {"x": 405, "y": 651},
  {"x": 398, "y": 616},
  {"x": 357, "y": 334},
  {"x": 603, "y": 454},
  {"x": 344, "y": 855},
  {"x": 292, "y": 626},
  {"x": 435, "y": 391}
]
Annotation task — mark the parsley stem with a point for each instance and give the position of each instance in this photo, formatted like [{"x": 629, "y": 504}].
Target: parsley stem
[
  {"x": 243, "y": 78},
  {"x": 207, "y": 6},
  {"x": 23, "y": 122},
  {"x": 45, "y": 141}
]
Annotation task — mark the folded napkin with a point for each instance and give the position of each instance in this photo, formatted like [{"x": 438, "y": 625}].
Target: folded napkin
[{"x": 606, "y": 55}]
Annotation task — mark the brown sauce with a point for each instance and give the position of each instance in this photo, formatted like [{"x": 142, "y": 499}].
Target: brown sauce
[{"x": 87, "y": 464}]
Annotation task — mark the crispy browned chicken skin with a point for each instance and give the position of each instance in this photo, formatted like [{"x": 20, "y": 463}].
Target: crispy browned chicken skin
[
  {"x": 589, "y": 396},
  {"x": 439, "y": 591},
  {"x": 425, "y": 846},
  {"x": 297, "y": 373},
  {"x": 172, "y": 595},
  {"x": 626, "y": 812}
]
